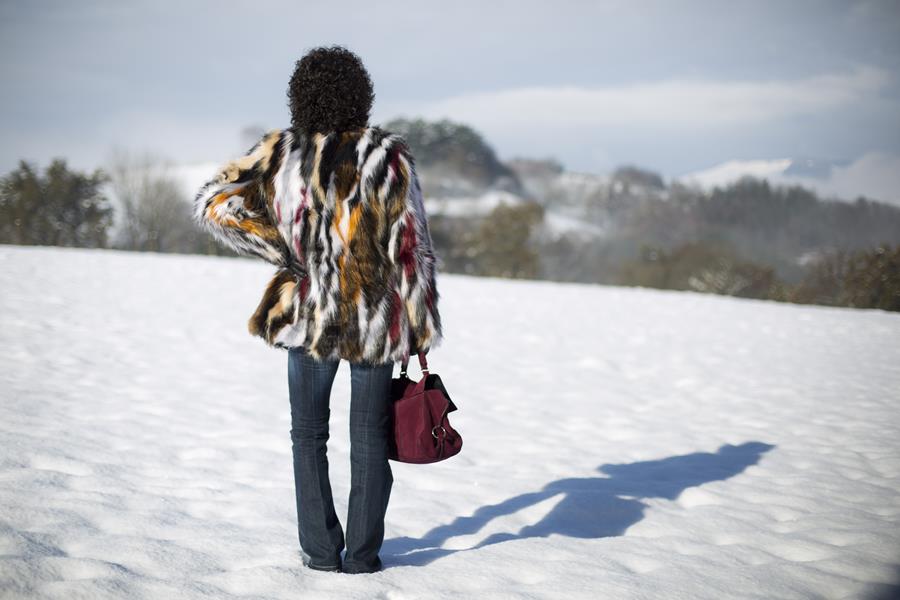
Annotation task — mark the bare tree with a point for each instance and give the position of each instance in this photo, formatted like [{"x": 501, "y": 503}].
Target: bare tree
[{"x": 154, "y": 212}]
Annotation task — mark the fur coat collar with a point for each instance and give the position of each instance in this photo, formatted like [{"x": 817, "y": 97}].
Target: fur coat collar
[{"x": 341, "y": 215}]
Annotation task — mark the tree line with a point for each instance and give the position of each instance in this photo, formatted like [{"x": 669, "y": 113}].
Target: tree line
[
  {"x": 134, "y": 204},
  {"x": 508, "y": 242},
  {"x": 734, "y": 241}
]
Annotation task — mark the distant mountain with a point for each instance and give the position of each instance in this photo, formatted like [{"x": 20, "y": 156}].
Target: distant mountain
[
  {"x": 780, "y": 170},
  {"x": 874, "y": 176},
  {"x": 811, "y": 168},
  {"x": 730, "y": 171}
]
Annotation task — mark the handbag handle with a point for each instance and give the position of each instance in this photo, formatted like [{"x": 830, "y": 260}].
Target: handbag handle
[{"x": 423, "y": 363}]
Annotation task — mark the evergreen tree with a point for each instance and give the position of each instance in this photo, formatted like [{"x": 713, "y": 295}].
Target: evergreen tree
[{"x": 59, "y": 208}]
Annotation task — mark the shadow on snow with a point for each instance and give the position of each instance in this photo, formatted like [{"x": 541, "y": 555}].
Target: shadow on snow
[{"x": 591, "y": 507}]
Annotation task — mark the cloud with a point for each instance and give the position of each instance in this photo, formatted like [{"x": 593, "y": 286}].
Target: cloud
[
  {"x": 673, "y": 105},
  {"x": 179, "y": 138}
]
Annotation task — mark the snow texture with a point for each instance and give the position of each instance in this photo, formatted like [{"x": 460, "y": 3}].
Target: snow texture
[{"x": 619, "y": 443}]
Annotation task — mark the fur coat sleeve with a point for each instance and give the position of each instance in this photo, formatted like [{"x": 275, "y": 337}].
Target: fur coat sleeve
[
  {"x": 236, "y": 205},
  {"x": 412, "y": 252}
]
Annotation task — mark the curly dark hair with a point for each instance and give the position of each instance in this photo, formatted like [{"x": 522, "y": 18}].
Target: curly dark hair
[{"x": 330, "y": 90}]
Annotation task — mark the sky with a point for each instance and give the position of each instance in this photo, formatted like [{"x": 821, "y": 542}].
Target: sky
[{"x": 675, "y": 87}]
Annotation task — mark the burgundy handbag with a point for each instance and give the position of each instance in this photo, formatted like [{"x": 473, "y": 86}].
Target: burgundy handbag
[{"x": 421, "y": 431}]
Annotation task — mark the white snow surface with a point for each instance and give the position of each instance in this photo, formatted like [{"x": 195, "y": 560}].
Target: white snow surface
[{"x": 618, "y": 443}]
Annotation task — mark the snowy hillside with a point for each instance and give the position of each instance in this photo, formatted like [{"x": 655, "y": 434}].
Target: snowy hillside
[
  {"x": 732, "y": 170},
  {"x": 556, "y": 222},
  {"x": 619, "y": 443},
  {"x": 874, "y": 175}
]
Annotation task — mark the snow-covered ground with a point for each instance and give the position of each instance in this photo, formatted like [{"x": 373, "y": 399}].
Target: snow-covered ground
[{"x": 619, "y": 443}]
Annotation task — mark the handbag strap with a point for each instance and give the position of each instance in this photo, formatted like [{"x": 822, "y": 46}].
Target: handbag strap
[{"x": 423, "y": 363}]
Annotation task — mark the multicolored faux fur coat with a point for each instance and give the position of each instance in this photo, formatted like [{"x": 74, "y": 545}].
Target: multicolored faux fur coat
[{"x": 342, "y": 217}]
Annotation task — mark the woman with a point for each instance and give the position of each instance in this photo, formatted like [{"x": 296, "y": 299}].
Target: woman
[{"x": 335, "y": 203}]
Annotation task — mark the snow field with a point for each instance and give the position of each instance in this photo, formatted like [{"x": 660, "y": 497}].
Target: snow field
[{"x": 619, "y": 443}]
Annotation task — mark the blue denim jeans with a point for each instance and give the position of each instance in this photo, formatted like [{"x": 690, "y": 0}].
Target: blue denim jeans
[{"x": 321, "y": 537}]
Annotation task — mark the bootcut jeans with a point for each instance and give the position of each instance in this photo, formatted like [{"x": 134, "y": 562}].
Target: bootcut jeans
[{"x": 321, "y": 537}]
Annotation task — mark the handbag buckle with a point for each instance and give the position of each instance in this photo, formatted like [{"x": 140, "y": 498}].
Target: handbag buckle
[{"x": 441, "y": 427}]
